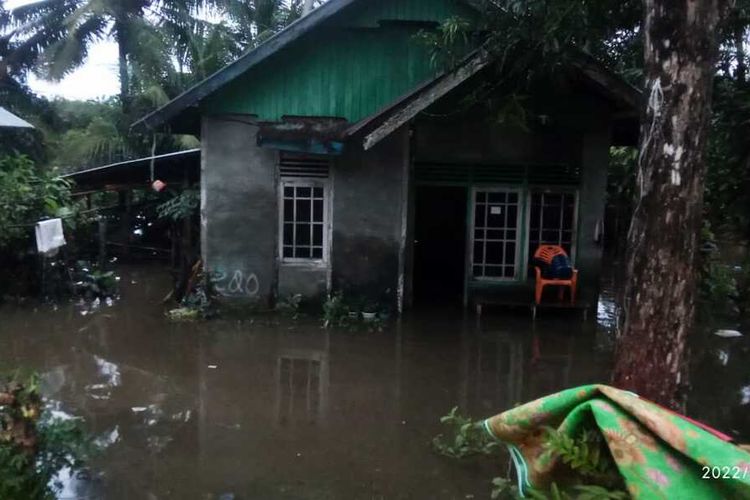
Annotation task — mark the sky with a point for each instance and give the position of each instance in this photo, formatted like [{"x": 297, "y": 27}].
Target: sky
[{"x": 95, "y": 79}]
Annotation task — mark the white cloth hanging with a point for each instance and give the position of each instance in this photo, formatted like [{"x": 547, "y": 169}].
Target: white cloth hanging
[{"x": 49, "y": 236}]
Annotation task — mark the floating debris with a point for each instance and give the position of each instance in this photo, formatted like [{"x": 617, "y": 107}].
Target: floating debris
[
  {"x": 183, "y": 314},
  {"x": 727, "y": 334}
]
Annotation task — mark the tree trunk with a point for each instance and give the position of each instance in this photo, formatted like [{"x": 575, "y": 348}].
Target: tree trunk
[
  {"x": 739, "y": 43},
  {"x": 122, "y": 50},
  {"x": 681, "y": 51}
]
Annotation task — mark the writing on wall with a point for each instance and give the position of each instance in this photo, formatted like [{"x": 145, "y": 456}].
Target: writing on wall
[{"x": 236, "y": 283}]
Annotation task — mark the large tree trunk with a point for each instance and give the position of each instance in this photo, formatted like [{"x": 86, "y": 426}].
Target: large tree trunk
[{"x": 681, "y": 50}]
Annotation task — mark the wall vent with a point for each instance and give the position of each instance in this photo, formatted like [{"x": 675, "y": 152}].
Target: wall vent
[{"x": 303, "y": 166}]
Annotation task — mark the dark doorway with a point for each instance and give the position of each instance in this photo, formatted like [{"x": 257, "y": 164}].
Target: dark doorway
[{"x": 440, "y": 244}]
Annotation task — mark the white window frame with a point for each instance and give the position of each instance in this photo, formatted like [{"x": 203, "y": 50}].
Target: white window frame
[
  {"x": 472, "y": 227},
  {"x": 311, "y": 183},
  {"x": 547, "y": 189}
]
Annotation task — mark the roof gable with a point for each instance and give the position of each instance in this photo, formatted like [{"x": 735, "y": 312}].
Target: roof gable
[{"x": 275, "y": 78}]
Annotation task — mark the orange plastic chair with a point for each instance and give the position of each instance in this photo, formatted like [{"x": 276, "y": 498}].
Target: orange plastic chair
[{"x": 546, "y": 253}]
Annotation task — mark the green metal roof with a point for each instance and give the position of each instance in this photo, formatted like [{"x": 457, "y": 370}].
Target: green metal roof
[{"x": 357, "y": 56}]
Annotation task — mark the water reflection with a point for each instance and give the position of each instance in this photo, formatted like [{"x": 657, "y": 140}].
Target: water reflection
[{"x": 260, "y": 409}]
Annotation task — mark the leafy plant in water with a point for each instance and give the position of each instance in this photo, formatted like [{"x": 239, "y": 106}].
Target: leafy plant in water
[
  {"x": 587, "y": 456},
  {"x": 92, "y": 282},
  {"x": 34, "y": 446},
  {"x": 199, "y": 302},
  {"x": 290, "y": 305},
  {"x": 335, "y": 310},
  {"x": 466, "y": 437}
]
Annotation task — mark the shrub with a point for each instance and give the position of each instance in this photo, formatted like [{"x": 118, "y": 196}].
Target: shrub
[{"x": 34, "y": 446}]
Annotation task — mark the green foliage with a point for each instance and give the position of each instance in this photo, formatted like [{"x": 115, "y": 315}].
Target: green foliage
[
  {"x": 587, "y": 456},
  {"x": 449, "y": 43},
  {"x": 335, "y": 310},
  {"x": 466, "y": 437},
  {"x": 27, "y": 195},
  {"x": 199, "y": 301},
  {"x": 290, "y": 305},
  {"x": 94, "y": 283},
  {"x": 34, "y": 446},
  {"x": 717, "y": 286},
  {"x": 181, "y": 206}
]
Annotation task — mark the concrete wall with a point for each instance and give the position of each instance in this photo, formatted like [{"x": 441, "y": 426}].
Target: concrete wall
[
  {"x": 369, "y": 218},
  {"x": 239, "y": 212}
]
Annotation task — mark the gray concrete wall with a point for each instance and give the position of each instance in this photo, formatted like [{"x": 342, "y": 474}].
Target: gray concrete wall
[
  {"x": 239, "y": 212},
  {"x": 369, "y": 216},
  {"x": 309, "y": 281}
]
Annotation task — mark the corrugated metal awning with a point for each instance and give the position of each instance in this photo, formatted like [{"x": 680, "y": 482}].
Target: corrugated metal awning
[{"x": 170, "y": 168}]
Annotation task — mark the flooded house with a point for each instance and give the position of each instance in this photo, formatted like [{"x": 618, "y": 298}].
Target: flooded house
[{"x": 337, "y": 157}]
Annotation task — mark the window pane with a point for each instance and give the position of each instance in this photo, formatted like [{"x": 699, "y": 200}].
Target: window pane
[
  {"x": 551, "y": 217},
  {"x": 551, "y": 237},
  {"x": 288, "y": 211},
  {"x": 318, "y": 192},
  {"x": 512, "y": 216},
  {"x": 513, "y": 198},
  {"x": 317, "y": 253},
  {"x": 318, "y": 235},
  {"x": 493, "y": 271},
  {"x": 303, "y": 234},
  {"x": 288, "y": 234},
  {"x": 304, "y": 192},
  {"x": 494, "y": 253},
  {"x": 497, "y": 197},
  {"x": 481, "y": 197},
  {"x": 318, "y": 211},
  {"x": 495, "y": 234},
  {"x": 288, "y": 192},
  {"x": 478, "y": 271},
  {"x": 510, "y": 253},
  {"x": 302, "y": 252},
  {"x": 479, "y": 216},
  {"x": 288, "y": 252},
  {"x": 303, "y": 211}
]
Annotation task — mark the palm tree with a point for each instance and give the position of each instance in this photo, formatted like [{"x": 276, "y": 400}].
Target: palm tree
[
  {"x": 54, "y": 36},
  {"x": 57, "y": 34}
]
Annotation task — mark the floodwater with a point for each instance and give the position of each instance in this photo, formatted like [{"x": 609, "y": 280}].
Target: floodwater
[{"x": 276, "y": 408}]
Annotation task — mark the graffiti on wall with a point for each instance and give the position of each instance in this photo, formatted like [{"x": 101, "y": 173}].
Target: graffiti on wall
[{"x": 236, "y": 283}]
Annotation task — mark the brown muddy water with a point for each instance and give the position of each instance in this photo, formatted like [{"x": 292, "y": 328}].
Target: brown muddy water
[{"x": 276, "y": 408}]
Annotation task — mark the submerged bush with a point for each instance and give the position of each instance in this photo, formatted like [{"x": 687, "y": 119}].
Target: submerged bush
[{"x": 34, "y": 446}]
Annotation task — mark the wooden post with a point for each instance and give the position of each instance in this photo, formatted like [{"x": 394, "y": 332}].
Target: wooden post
[
  {"x": 126, "y": 203},
  {"x": 102, "y": 240}
]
